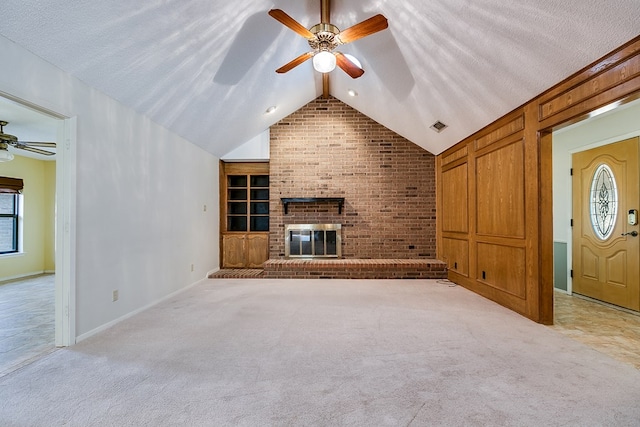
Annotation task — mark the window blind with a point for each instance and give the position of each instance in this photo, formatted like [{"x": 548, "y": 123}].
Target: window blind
[{"x": 11, "y": 185}]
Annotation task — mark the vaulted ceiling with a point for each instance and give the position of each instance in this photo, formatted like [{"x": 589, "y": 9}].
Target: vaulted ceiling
[{"x": 205, "y": 69}]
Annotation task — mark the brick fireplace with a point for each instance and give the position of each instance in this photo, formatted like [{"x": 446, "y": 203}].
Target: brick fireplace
[{"x": 329, "y": 150}]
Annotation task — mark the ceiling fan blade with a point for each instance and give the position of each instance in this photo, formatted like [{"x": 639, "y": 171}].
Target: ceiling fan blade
[
  {"x": 347, "y": 66},
  {"x": 363, "y": 29},
  {"x": 290, "y": 65},
  {"x": 38, "y": 144},
  {"x": 288, "y": 21},
  {"x": 33, "y": 150}
]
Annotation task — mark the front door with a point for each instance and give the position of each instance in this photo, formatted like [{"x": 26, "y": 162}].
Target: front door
[{"x": 606, "y": 254}]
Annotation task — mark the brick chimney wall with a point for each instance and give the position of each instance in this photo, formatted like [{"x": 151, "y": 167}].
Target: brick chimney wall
[{"x": 328, "y": 149}]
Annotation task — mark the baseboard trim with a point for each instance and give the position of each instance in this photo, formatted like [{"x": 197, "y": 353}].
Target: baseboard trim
[
  {"x": 133, "y": 313},
  {"x": 22, "y": 276}
]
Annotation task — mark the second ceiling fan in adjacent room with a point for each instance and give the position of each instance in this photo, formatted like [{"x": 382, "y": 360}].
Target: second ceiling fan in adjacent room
[{"x": 7, "y": 140}]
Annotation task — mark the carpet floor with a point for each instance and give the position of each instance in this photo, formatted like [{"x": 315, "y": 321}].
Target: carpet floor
[{"x": 263, "y": 352}]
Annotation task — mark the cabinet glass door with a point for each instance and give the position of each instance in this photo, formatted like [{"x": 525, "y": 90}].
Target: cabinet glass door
[{"x": 248, "y": 203}]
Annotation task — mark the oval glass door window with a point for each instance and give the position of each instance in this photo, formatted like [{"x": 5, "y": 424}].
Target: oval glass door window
[{"x": 604, "y": 202}]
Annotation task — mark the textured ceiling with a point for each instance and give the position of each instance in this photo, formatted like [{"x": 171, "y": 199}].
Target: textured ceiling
[{"x": 205, "y": 68}]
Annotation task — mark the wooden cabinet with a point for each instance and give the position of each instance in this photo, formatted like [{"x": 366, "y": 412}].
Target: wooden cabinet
[
  {"x": 242, "y": 250},
  {"x": 244, "y": 214}
]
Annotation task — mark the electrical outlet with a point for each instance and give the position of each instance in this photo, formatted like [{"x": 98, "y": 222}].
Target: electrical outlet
[
  {"x": 115, "y": 295},
  {"x": 191, "y": 267},
  {"x": 205, "y": 208}
]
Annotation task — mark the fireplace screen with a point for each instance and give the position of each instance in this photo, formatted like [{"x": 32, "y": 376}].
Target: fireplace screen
[{"x": 313, "y": 241}]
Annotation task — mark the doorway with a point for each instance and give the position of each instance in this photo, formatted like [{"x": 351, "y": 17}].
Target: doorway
[
  {"x": 584, "y": 319},
  {"x": 602, "y": 130},
  {"x": 33, "y": 123}
]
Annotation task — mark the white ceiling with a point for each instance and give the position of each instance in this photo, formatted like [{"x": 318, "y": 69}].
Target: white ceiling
[{"x": 205, "y": 68}]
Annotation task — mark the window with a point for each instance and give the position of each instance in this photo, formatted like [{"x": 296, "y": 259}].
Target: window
[
  {"x": 9, "y": 223},
  {"x": 604, "y": 202}
]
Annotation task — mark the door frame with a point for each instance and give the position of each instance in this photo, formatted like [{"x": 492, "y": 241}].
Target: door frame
[
  {"x": 545, "y": 139},
  {"x": 65, "y": 222},
  {"x": 65, "y": 311}
]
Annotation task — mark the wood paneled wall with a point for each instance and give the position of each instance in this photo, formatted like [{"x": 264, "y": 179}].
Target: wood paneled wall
[{"x": 494, "y": 200}]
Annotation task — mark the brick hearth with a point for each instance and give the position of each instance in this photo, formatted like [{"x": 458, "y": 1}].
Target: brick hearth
[{"x": 355, "y": 269}]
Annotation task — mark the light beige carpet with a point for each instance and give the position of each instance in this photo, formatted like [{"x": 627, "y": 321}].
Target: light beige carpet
[{"x": 324, "y": 353}]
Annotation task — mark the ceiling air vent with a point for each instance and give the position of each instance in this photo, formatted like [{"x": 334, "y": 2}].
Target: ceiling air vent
[{"x": 438, "y": 126}]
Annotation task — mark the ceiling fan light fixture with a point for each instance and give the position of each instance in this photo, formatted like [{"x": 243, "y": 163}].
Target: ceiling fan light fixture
[
  {"x": 324, "y": 62},
  {"x": 5, "y": 155}
]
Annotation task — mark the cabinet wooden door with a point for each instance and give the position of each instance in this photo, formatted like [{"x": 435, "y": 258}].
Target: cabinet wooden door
[
  {"x": 233, "y": 250},
  {"x": 257, "y": 251}
]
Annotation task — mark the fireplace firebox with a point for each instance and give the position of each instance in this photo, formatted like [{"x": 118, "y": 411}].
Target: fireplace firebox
[{"x": 313, "y": 241}]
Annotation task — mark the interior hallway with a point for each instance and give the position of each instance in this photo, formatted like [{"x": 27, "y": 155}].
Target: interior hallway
[{"x": 27, "y": 322}]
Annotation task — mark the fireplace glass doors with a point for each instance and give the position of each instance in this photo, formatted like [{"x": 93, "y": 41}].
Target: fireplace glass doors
[{"x": 313, "y": 241}]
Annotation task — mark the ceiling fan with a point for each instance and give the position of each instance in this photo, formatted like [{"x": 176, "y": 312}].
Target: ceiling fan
[
  {"x": 324, "y": 38},
  {"x": 7, "y": 140}
]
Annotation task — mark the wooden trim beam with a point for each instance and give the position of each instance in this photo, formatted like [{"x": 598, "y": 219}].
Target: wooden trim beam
[{"x": 325, "y": 85}]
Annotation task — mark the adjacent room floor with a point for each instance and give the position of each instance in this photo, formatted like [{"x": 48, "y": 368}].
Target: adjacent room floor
[
  {"x": 607, "y": 329},
  {"x": 27, "y": 329}
]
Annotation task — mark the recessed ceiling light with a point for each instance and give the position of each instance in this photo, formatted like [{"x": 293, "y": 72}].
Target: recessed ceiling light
[
  {"x": 438, "y": 126},
  {"x": 352, "y": 92},
  {"x": 271, "y": 109}
]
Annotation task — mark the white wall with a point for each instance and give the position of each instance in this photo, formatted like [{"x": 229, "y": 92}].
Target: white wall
[
  {"x": 613, "y": 126},
  {"x": 254, "y": 150},
  {"x": 141, "y": 192}
]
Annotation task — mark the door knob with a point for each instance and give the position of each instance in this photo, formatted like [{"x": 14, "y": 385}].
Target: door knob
[{"x": 633, "y": 233}]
